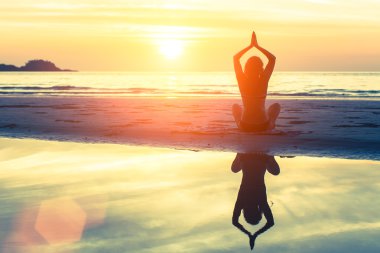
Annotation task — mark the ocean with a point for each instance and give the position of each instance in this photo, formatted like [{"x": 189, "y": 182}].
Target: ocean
[{"x": 359, "y": 85}]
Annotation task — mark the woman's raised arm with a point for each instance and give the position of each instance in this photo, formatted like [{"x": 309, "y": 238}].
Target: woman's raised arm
[
  {"x": 271, "y": 59},
  {"x": 237, "y": 65}
]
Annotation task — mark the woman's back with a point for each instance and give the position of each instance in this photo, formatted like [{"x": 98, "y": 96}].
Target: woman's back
[
  {"x": 253, "y": 85},
  {"x": 253, "y": 93}
]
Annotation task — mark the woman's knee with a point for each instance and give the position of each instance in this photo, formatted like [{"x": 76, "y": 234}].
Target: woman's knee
[
  {"x": 236, "y": 108},
  {"x": 274, "y": 110},
  {"x": 275, "y": 107}
]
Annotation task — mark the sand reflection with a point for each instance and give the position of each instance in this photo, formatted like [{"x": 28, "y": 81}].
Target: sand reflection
[{"x": 140, "y": 199}]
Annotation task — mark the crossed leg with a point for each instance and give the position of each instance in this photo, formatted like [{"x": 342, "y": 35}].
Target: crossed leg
[
  {"x": 273, "y": 112},
  {"x": 237, "y": 113}
]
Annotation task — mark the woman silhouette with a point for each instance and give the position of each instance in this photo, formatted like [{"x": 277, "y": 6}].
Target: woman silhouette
[
  {"x": 253, "y": 86},
  {"x": 252, "y": 196}
]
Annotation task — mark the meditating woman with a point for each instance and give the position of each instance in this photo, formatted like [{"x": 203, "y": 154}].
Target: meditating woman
[{"x": 253, "y": 86}]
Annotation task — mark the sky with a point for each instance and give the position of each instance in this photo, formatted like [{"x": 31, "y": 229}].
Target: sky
[{"x": 190, "y": 35}]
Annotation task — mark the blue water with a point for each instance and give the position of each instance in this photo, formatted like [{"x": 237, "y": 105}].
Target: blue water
[{"x": 215, "y": 84}]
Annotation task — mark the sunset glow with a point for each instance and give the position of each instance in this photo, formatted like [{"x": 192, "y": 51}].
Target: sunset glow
[
  {"x": 202, "y": 35},
  {"x": 171, "y": 49}
]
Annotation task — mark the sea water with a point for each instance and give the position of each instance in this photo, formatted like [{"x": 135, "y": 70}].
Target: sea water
[{"x": 214, "y": 84}]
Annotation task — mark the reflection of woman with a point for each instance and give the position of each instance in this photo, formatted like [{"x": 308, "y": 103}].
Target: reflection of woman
[
  {"x": 253, "y": 85},
  {"x": 252, "y": 196}
]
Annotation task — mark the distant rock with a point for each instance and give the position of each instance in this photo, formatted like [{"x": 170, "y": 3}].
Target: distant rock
[
  {"x": 33, "y": 65},
  {"x": 39, "y": 65},
  {"x": 5, "y": 67}
]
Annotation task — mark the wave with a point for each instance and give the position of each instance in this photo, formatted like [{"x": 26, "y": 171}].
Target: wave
[
  {"x": 56, "y": 87},
  {"x": 330, "y": 93},
  {"x": 216, "y": 90}
]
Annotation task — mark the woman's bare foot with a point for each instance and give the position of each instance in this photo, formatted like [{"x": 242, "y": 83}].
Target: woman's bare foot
[
  {"x": 273, "y": 112},
  {"x": 237, "y": 112}
]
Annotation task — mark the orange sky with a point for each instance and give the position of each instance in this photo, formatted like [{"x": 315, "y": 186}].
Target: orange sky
[{"x": 190, "y": 35}]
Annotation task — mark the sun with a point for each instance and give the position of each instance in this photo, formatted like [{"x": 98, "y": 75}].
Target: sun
[{"x": 171, "y": 48}]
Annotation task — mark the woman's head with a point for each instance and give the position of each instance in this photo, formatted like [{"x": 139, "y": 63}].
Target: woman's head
[
  {"x": 252, "y": 214},
  {"x": 253, "y": 67}
]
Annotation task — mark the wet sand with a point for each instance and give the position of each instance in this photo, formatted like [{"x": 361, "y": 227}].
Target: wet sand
[{"x": 333, "y": 128}]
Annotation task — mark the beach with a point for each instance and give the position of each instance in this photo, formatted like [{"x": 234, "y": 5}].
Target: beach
[
  {"x": 346, "y": 128},
  {"x": 114, "y": 169}
]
